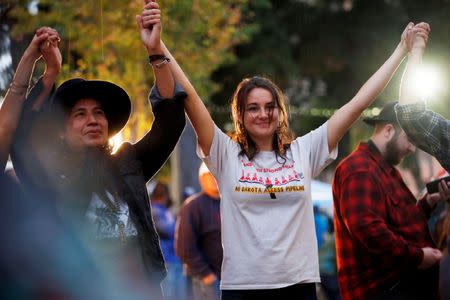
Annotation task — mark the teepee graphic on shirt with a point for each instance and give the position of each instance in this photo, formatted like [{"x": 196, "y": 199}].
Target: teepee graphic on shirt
[{"x": 285, "y": 179}]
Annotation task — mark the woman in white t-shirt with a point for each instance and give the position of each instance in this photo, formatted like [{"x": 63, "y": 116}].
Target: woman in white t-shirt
[{"x": 264, "y": 178}]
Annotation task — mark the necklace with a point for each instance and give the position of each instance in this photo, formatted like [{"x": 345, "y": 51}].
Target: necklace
[{"x": 123, "y": 237}]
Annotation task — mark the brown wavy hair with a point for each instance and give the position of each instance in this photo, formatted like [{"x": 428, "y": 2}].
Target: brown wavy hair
[{"x": 283, "y": 135}]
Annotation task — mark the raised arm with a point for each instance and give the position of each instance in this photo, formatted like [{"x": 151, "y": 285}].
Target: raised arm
[
  {"x": 408, "y": 89},
  {"x": 427, "y": 129},
  {"x": 343, "y": 119},
  {"x": 53, "y": 60},
  {"x": 149, "y": 24},
  {"x": 42, "y": 43},
  {"x": 195, "y": 108}
]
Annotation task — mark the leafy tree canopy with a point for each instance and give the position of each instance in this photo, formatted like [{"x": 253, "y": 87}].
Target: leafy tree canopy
[
  {"x": 100, "y": 40},
  {"x": 321, "y": 51}
]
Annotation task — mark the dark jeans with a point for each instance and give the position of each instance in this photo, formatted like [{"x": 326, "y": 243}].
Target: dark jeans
[
  {"x": 301, "y": 291},
  {"x": 330, "y": 286},
  {"x": 420, "y": 285}
]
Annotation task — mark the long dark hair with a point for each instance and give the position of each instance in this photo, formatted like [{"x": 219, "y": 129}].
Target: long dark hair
[
  {"x": 283, "y": 135},
  {"x": 95, "y": 162}
]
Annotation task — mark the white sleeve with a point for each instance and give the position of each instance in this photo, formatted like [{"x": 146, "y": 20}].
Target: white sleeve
[
  {"x": 222, "y": 149},
  {"x": 316, "y": 145}
]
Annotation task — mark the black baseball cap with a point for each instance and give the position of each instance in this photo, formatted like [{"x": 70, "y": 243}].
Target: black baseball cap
[{"x": 386, "y": 115}]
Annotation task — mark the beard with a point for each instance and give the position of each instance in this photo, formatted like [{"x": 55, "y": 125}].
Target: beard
[{"x": 392, "y": 154}]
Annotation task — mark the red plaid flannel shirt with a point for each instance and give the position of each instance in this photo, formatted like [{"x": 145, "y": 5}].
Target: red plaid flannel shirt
[{"x": 380, "y": 227}]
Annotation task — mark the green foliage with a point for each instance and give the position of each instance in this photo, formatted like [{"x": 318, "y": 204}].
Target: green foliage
[
  {"x": 321, "y": 52},
  {"x": 100, "y": 40}
]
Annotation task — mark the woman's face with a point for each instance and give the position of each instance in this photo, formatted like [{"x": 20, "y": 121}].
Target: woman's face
[
  {"x": 86, "y": 125},
  {"x": 261, "y": 116}
]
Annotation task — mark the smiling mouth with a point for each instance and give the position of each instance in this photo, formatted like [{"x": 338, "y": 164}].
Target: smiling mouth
[
  {"x": 263, "y": 124},
  {"x": 94, "y": 132}
]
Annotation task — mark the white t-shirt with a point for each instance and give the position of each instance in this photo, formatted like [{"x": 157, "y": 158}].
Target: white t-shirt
[{"x": 268, "y": 234}]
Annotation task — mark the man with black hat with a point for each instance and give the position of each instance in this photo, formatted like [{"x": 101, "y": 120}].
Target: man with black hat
[
  {"x": 384, "y": 248},
  {"x": 61, "y": 151}
]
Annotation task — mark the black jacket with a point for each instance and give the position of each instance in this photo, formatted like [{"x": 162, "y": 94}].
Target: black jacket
[{"x": 134, "y": 164}]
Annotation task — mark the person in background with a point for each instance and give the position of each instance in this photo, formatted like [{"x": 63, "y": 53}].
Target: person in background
[
  {"x": 429, "y": 131},
  {"x": 322, "y": 224},
  {"x": 327, "y": 266},
  {"x": 198, "y": 238},
  {"x": 439, "y": 222},
  {"x": 327, "y": 253},
  {"x": 384, "y": 247},
  {"x": 164, "y": 219},
  {"x": 174, "y": 286}
]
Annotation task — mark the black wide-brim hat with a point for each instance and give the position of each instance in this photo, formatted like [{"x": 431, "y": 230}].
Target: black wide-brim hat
[
  {"x": 114, "y": 100},
  {"x": 386, "y": 115}
]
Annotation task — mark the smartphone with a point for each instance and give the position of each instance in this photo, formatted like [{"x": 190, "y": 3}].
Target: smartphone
[{"x": 432, "y": 186}]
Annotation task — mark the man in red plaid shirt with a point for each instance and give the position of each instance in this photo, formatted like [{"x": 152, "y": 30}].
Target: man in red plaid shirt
[{"x": 384, "y": 248}]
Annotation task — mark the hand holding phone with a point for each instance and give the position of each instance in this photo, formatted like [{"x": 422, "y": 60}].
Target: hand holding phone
[{"x": 432, "y": 186}]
